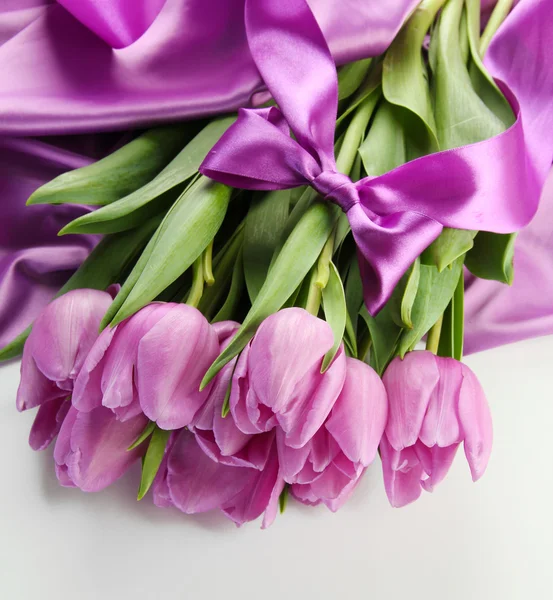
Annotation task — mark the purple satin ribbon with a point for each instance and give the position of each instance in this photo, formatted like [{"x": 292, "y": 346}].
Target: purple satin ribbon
[{"x": 489, "y": 186}]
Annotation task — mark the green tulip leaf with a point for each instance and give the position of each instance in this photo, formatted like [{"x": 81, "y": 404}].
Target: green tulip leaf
[
  {"x": 118, "y": 174},
  {"x": 334, "y": 306},
  {"x": 297, "y": 256},
  {"x": 492, "y": 256},
  {"x": 434, "y": 293},
  {"x": 157, "y": 194},
  {"x": 351, "y": 76},
  {"x": 183, "y": 235},
  {"x": 152, "y": 460},
  {"x": 451, "y": 336},
  {"x": 461, "y": 115},
  {"x": 228, "y": 310},
  {"x": 482, "y": 82},
  {"x": 384, "y": 333},
  {"x": 265, "y": 222},
  {"x": 404, "y": 77},
  {"x": 450, "y": 245},
  {"x": 403, "y": 297},
  {"x": 148, "y": 430}
]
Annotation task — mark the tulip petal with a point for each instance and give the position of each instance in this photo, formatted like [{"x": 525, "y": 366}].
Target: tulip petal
[
  {"x": 240, "y": 391},
  {"x": 161, "y": 494},
  {"x": 65, "y": 331},
  {"x": 48, "y": 422},
  {"x": 62, "y": 449},
  {"x": 292, "y": 460},
  {"x": 331, "y": 484},
  {"x": 359, "y": 415},
  {"x": 173, "y": 357},
  {"x": 99, "y": 443},
  {"x": 441, "y": 422},
  {"x": 402, "y": 474},
  {"x": 87, "y": 392},
  {"x": 436, "y": 462},
  {"x": 197, "y": 483},
  {"x": 118, "y": 372},
  {"x": 287, "y": 345},
  {"x": 254, "y": 498},
  {"x": 35, "y": 388},
  {"x": 476, "y": 421},
  {"x": 344, "y": 496},
  {"x": 315, "y": 398},
  {"x": 409, "y": 384}
]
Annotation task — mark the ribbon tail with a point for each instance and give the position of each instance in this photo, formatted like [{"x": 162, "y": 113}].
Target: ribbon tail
[
  {"x": 387, "y": 246},
  {"x": 294, "y": 60}
]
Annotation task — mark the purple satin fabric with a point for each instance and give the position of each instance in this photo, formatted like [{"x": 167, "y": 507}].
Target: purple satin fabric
[
  {"x": 59, "y": 76},
  {"x": 486, "y": 186},
  {"x": 497, "y": 314},
  {"x": 118, "y": 22},
  {"x": 34, "y": 262}
]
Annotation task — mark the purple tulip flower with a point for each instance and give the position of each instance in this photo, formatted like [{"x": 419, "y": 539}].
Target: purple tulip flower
[
  {"x": 53, "y": 355},
  {"x": 218, "y": 436},
  {"x": 91, "y": 449},
  {"x": 435, "y": 404},
  {"x": 152, "y": 363},
  {"x": 192, "y": 482},
  {"x": 278, "y": 380},
  {"x": 329, "y": 466}
]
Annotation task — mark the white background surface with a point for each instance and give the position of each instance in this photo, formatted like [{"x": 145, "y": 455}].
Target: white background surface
[{"x": 487, "y": 541}]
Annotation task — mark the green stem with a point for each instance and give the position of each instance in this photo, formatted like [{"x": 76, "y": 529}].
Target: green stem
[
  {"x": 500, "y": 12},
  {"x": 207, "y": 258},
  {"x": 314, "y": 296},
  {"x": 197, "y": 288},
  {"x": 323, "y": 265},
  {"x": 354, "y": 136},
  {"x": 433, "y": 338}
]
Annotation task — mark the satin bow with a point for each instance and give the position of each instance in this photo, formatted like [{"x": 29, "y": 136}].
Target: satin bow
[{"x": 488, "y": 186}]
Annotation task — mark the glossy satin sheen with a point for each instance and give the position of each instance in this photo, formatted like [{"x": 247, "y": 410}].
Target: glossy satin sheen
[
  {"x": 488, "y": 186},
  {"x": 61, "y": 75}
]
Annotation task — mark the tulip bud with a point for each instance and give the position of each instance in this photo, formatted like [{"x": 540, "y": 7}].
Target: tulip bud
[
  {"x": 278, "y": 380},
  {"x": 53, "y": 355},
  {"x": 328, "y": 468},
  {"x": 435, "y": 404}
]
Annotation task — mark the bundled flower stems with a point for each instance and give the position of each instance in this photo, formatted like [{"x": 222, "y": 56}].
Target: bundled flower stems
[{"x": 252, "y": 323}]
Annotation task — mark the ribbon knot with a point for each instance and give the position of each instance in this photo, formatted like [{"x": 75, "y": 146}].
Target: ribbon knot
[
  {"x": 487, "y": 186},
  {"x": 337, "y": 188}
]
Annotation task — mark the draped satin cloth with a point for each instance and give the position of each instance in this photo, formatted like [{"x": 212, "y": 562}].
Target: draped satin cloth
[
  {"x": 34, "y": 262},
  {"x": 60, "y": 75},
  {"x": 187, "y": 58}
]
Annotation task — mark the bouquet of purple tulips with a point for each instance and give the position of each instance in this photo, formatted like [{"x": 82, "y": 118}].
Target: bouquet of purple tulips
[{"x": 277, "y": 301}]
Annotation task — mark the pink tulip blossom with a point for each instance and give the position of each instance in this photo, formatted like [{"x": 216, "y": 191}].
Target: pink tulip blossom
[
  {"x": 54, "y": 353},
  {"x": 91, "y": 449},
  {"x": 218, "y": 436},
  {"x": 278, "y": 380},
  {"x": 194, "y": 483},
  {"x": 329, "y": 466},
  {"x": 152, "y": 363},
  {"x": 435, "y": 404}
]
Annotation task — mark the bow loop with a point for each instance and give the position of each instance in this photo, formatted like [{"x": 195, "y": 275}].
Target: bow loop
[{"x": 337, "y": 188}]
